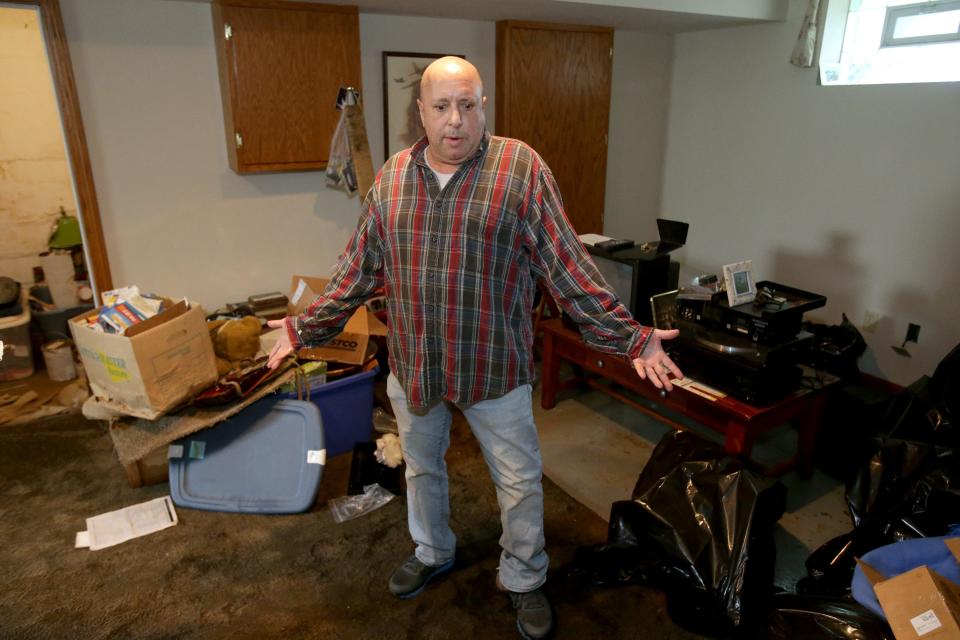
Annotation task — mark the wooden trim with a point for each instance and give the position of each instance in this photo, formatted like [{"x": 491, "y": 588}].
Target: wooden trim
[
  {"x": 502, "y": 81},
  {"x": 268, "y": 167},
  {"x": 284, "y": 4},
  {"x": 552, "y": 26},
  {"x": 58, "y": 52},
  {"x": 227, "y": 100},
  {"x": 881, "y": 385}
]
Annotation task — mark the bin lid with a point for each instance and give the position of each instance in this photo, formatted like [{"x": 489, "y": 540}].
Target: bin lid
[{"x": 268, "y": 458}]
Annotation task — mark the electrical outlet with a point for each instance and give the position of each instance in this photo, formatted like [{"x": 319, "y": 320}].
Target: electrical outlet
[{"x": 871, "y": 319}]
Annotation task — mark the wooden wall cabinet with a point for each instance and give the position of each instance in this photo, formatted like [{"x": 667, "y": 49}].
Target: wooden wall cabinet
[
  {"x": 553, "y": 92},
  {"x": 281, "y": 65}
]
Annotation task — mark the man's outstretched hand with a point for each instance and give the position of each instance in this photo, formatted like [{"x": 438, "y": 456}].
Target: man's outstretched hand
[
  {"x": 656, "y": 366},
  {"x": 282, "y": 348}
]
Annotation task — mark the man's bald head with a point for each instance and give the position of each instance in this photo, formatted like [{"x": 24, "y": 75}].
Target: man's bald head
[
  {"x": 451, "y": 109},
  {"x": 450, "y": 67}
]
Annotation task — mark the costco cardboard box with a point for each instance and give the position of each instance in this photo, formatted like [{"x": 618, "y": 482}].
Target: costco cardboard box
[
  {"x": 350, "y": 346},
  {"x": 154, "y": 367},
  {"x": 919, "y": 603}
]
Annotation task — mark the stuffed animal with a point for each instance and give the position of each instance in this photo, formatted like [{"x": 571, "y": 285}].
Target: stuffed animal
[
  {"x": 388, "y": 451},
  {"x": 236, "y": 342}
]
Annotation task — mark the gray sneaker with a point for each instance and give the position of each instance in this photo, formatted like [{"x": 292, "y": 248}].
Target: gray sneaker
[
  {"x": 534, "y": 618},
  {"x": 412, "y": 576}
]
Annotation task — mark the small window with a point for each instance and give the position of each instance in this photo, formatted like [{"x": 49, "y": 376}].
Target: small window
[
  {"x": 921, "y": 23},
  {"x": 890, "y": 41}
]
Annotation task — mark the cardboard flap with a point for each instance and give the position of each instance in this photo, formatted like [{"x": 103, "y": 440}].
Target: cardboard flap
[
  {"x": 174, "y": 311},
  {"x": 358, "y": 322},
  {"x": 303, "y": 291},
  {"x": 954, "y": 545},
  {"x": 350, "y": 345},
  {"x": 374, "y": 326},
  {"x": 873, "y": 576}
]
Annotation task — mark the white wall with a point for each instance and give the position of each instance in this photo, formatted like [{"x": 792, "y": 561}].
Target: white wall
[
  {"x": 852, "y": 192},
  {"x": 639, "y": 101},
  {"x": 176, "y": 219}
]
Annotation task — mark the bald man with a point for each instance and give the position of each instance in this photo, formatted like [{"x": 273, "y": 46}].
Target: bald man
[{"x": 458, "y": 230}]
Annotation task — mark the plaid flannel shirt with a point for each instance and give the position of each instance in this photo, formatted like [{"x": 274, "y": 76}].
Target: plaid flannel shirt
[{"x": 459, "y": 268}]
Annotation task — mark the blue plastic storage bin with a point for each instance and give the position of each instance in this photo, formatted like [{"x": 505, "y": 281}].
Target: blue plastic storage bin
[
  {"x": 346, "y": 406},
  {"x": 268, "y": 458}
]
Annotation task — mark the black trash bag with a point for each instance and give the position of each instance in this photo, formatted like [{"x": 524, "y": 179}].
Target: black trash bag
[
  {"x": 946, "y": 387},
  {"x": 830, "y": 566},
  {"x": 837, "y": 348},
  {"x": 365, "y": 470},
  {"x": 908, "y": 488},
  {"x": 700, "y": 527},
  {"x": 916, "y": 413},
  {"x": 813, "y": 618}
]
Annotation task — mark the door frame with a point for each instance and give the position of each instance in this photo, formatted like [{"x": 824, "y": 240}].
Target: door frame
[{"x": 65, "y": 88}]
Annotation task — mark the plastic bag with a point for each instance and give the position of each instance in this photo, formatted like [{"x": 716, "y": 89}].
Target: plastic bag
[
  {"x": 349, "y": 507},
  {"x": 365, "y": 470},
  {"x": 909, "y": 488},
  {"x": 340, "y": 171},
  {"x": 700, "y": 527},
  {"x": 795, "y": 616},
  {"x": 383, "y": 422}
]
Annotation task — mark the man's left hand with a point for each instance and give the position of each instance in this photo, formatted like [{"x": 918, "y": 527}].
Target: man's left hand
[{"x": 655, "y": 365}]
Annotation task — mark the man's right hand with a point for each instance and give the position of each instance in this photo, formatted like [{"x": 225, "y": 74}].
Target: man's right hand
[{"x": 282, "y": 348}]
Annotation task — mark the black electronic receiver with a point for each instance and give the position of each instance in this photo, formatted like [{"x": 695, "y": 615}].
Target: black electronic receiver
[{"x": 613, "y": 244}]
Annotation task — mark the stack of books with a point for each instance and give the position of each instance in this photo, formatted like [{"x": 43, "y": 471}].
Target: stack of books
[{"x": 268, "y": 306}]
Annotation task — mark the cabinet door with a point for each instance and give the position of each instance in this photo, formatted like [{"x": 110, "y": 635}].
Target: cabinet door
[
  {"x": 553, "y": 92},
  {"x": 281, "y": 65}
]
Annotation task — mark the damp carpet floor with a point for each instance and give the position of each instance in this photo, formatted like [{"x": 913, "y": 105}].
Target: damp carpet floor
[{"x": 222, "y": 575}]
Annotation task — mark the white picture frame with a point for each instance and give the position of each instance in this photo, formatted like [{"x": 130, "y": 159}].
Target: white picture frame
[{"x": 741, "y": 287}]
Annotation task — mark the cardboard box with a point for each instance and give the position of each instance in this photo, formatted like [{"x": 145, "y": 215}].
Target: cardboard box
[
  {"x": 154, "y": 367},
  {"x": 919, "y": 603},
  {"x": 350, "y": 346},
  {"x": 151, "y": 469}
]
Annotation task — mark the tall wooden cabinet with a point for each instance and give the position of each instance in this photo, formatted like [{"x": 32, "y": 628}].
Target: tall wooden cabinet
[
  {"x": 281, "y": 65},
  {"x": 553, "y": 92}
]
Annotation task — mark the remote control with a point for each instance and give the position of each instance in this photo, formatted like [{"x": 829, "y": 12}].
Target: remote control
[{"x": 614, "y": 244}]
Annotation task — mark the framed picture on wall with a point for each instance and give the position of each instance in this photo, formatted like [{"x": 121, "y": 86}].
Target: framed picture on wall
[{"x": 401, "y": 89}]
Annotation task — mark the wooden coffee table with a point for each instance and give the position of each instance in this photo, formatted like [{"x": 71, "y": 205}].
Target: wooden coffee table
[{"x": 740, "y": 422}]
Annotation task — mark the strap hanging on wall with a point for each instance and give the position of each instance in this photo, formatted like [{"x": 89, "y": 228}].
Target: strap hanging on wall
[{"x": 350, "y": 165}]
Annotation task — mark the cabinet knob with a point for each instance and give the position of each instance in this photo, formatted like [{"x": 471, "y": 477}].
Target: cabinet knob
[{"x": 599, "y": 364}]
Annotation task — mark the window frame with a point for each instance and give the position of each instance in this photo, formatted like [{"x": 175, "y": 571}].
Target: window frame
[
  {"x": 834, "y": 28},
  {"x": 895, "y": 13}
]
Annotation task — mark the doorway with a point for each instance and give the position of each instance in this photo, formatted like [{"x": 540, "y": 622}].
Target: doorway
[
  {"x": 45, "y": 184},
  {"x": 44, "y": 16}
]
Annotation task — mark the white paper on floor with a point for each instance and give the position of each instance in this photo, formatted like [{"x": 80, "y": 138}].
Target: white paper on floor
[{"x": 108, "y": 529}]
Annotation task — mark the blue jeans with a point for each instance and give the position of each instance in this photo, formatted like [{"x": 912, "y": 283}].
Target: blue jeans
[{"x": 507, "y": 435}]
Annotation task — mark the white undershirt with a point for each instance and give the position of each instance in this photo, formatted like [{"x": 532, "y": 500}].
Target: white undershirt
[{"x": 442, "y": 178}]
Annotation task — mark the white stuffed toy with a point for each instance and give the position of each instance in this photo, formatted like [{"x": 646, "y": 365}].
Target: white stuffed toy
[{"x": 388, "y": 451}]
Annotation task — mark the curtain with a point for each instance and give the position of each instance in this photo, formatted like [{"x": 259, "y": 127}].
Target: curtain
[{"x": 806, "y": 46}]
